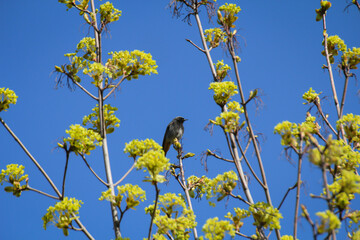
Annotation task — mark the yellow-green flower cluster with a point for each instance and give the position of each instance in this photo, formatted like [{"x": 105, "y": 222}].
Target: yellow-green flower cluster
[
  {"x": 14, "y": 175},
  {"x": 173, "y": 217},
  {"x": 131, "y": 64},
  {"x": 96, "y": 71},
  {"x": 334, "y": 45},
  {"x": 344, "y": 188},
  {"x": 237, "y": 218},
  {"x": 351, "y": 58},
  {"x": 151, "y": 157},
  {"x": 154, "y": 162},
  {"x": 328, "y": 222},
  {"x": 82, "y": 140},
  {"x": 111, "y": 121},
  {"x": 62, "y": 214},
  {"x": 291, "y": 133},
  {"x": 214, "y": 36},
  {"x": 217, "y": 230},
  {"x": 325, "y": 5},
  {"x": 226, "y": 15},
  {"x": 223, "y": 91},
  {"x": 87, "y": 46},
  {"x": 133, "y": 194},
  {"x": 7, "y": 97},
  {"x": 351, "y": 125},
  {"x": 108, "y": 13},
  {"x": 311, "y": 96},
  {"x": 350, "y": 158},
  {"x": 221, "y": 70},
  {"x": 265, "y": 215},
  {"x": 220, "y": 186},
  {"x": 287, "y": 237},
  {"x": 137, "y": 148}
]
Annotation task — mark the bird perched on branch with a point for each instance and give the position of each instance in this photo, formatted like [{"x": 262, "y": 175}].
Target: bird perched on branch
[{"x": 175, "y": 129}]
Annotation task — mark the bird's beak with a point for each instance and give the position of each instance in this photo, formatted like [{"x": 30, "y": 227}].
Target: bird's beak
[{"x": 185, "y": 119}]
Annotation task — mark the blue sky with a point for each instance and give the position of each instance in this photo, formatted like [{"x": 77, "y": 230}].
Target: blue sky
[{"x": 280, "y": 48}]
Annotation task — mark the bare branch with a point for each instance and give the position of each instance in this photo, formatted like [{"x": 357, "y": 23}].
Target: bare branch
[
  {"x": 41, "y": 192},
  {"x": 298, "y": 184},
  {"x": 318, "y": 106},
  {"x": 287, "y": 192},
  {"x": 247, "y": 162},
  {"x": 243, "y": 235},
  {"x": 186, "y": 190},
  {"x": 116, "y": 86},
  {"x": 157, "y": 191},
  {"x": 31, "y": 157},
  {"x": 307, "y": 217},
  {"x": 97, "y": 176},
  {"x": 125, "y": 175},
  {"x": 200, "y": 49},
  {"x": 240, "y": 198},
  {"x": 347, "y": 75},
  {"x": 81, "y": 87},
  {"x": 64, "y": 177},
  {"x": 218, "y": 157}
]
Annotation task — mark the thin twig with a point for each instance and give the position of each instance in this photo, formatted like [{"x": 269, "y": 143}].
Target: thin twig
[
  {"x": 105, "y": 150},
  {"x": 41, "y": 192},
  {"x": 307, "y": 217},
  {"x": 31, "y": 157},
  {"x": 97, "y": 176},
  {"x": 327, "y": 191},
  {"x": 247, "y": 119},
  {"x": 218, "y": 157},
  {"x": 247, "y": 162},
  {"x": 157, "y": 191},
  {"x": 347, "y": 75},
  {"x": 318, "y": 106},
  {"x": 169, "y": 236},
  {"x": 186, "y": 190},
  {"x": 200, "y": 49},
  {"x": 240, "y": 198},
  {"x": 243, "y": 235},
  {"x": 82, "y": 227},
  {"x": 297, "y": 199},
  {"x": 65, "y": 171},
  {"x": 116, "y": 86},
  {"x": 329, "y": 67},
  {"x": 287, "y": 192},
  {"x": 81, "y": 87},
  {"x": 125, "y": 175}
]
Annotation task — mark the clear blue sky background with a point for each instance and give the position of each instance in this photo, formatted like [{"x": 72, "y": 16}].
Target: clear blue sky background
[{"x": 281, "y": 54}]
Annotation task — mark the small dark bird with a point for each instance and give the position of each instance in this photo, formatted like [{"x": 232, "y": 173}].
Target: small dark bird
[{"x": 175, "y": 129}]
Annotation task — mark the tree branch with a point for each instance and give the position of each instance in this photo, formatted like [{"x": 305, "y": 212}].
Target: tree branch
[
  {"x": 247, "y": 162},
  {"x": 243, "y": 235},
  {"x": 186, "y": 190},
  {"x": 41, "y": 192},
  {"x": 318, "y": 106},
  {"x": 297, "y": 201},
  {"x": 116, "y": 86},
  {"x": 240, "y": 198},
  {"x": 287, "y": 192},
  {"x": 218, "y": 157},
  {"x": 157, "y": 191},
  {"x": 125, "y": 175},
  {"x": 81, "y": 87},
  {"x": 347, "y": 75},
  {"x": 200, "y": 49},
  {"x": 64, "y": 177},
  {"x": 31, "y": 157},
  {"x": 97, "y": 176}
]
